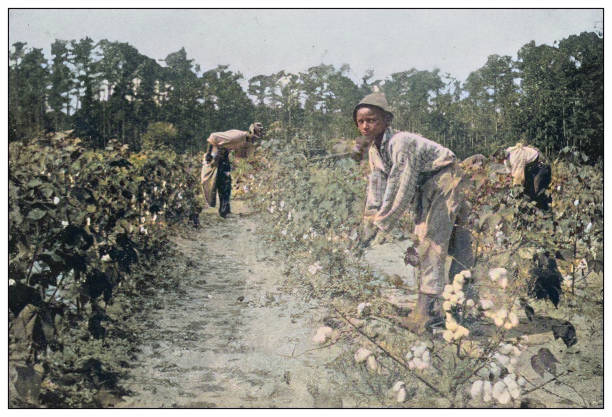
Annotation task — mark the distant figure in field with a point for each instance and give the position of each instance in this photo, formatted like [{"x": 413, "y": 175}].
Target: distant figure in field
[
  {"x": 409, "y": 173},
  {"x": 529, "y": 169},
  {"x": 216, "y": 168}
]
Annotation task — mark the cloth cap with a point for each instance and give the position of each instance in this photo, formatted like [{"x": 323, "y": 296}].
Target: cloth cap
[{"x": 376, "y": 100}]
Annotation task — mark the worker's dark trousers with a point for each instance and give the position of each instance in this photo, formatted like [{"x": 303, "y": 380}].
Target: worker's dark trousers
[
  {"x": 224, "y": 184},
  {"x": 537, "y": 181}
]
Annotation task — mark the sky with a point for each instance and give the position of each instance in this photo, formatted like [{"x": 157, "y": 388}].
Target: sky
[{"x": 265, "y": 41}]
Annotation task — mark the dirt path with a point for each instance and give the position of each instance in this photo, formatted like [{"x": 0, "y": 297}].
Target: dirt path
[{"x": 233, "y": 334}]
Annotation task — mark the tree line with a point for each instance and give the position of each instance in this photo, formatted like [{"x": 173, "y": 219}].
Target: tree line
[{"x": 549, "y": 96}]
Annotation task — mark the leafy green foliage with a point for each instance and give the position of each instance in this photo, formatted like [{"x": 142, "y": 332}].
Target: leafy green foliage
[{"x": 80, "y": 222}]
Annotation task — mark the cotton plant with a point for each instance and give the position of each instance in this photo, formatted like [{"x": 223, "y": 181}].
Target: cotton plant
[
  {"x": 455, "y": 299},
  {"x": 498, "y": 380}
]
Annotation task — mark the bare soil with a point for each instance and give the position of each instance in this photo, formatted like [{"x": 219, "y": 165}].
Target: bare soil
[{"x": 235, "y": 332}]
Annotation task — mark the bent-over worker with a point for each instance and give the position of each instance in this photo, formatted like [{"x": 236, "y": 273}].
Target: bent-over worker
[
  {"x": 529, "y": 169},
  {"x": 216, "y": 168},
  {"x": 409, "y": 173}
]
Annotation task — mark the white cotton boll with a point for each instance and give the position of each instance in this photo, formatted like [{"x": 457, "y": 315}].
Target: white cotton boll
[
  {"x": 409, "y": 355},
  {"x": 448, "y": 335},
  {"x": 461, "y": 332},
  {"x": 503, "y": 397},
  {"x": 588, "y": 228},
  {"x": 495, "y": 370},
  {"x": 514, "y": 320},
  {"x": 499, "y": 321},
  {"x": 421, "y": 364},
  {"x": 502, "y": 359},
  {"x": 64, "y": 223},
  {"x": 401, "y": 395},
  {"x": 56, "y": 200},
  {"x": 487, "y": 391},
  {"x": 419, "y": 350},
  {"x": 453, "y": 299},
  {"x": 364, "y": 309},
  {"x": 498, "y": 389},
  {"x": 466, "y": 273},
  {"x": 486, "y": 304},
  {"x": 510, "y": 381},
  {"x": 576, "y": 202},
  {"x": 476, "y": 390},
  {"x": 371, "y": 363},
  {"x": 106, "y": 258},
  {"x": 515, "y": 393},
  {"x": 88, "y": 222},
  {"x": 323, "y": 333},
  {"x": 362, "y": 354},
  {"x": 397, "y": 386},
  {"x": 458, "y": 285},
  {"x": 497, "y": 273}
]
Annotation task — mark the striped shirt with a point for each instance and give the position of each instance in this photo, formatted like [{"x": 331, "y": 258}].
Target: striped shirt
[{"x": 405, "y": 159}]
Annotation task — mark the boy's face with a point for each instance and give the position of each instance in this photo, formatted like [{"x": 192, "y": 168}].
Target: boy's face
[{"x": 370, "y": 122}]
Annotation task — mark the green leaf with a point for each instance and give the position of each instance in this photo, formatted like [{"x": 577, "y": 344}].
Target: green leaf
[{"x": 36, "y": 214}]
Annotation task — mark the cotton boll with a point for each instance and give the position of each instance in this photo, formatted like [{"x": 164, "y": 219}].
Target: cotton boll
[
  {"x": 503, "y": 397},
  {"x": 447, "y": 335},
  {"x": 371, "y": 363},
  {"x": 486, "y": 304},
  {"x": 476, "y": 390},
  {"x": 513, "y": 319},
  {"x": 409, "y": 355},
  {"x": 487, "y": 391},
  {"x": 419, "y": 350},
  {"x": 323, "y": 333},
  {"x": 498, "y": 389},
  {"x": 401, "y": 395},
  {"x": 397, "y": 386},
  {"x": 451, "y": 324},
  {"x": 495, "y": 370},
  {"x": 363, "y": 309},
  {"x": 502, "y": 359},
  {"x": 362, "y": 354},
  {"x": 461, "y": 332},
  {"x": 505, "y": 348},
  {"x": 497, "y": 273},
  {"x": 503, "y": 283}
]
